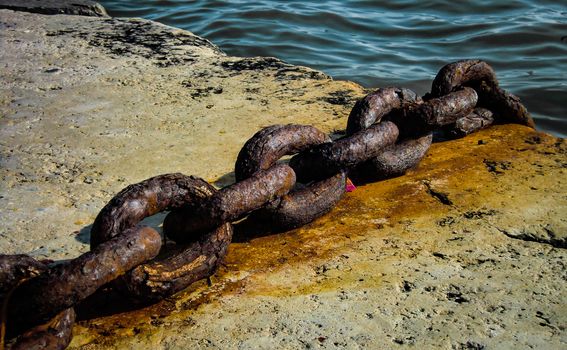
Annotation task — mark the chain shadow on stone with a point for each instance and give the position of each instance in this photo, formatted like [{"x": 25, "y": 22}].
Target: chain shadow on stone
[{"x": 84, "y": 234}]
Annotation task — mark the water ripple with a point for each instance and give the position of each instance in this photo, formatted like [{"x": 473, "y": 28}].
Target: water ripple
[{"x": 400, "y": 42}]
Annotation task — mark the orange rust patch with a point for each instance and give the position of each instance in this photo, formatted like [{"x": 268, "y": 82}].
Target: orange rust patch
[{"x": 471, "y": 172}]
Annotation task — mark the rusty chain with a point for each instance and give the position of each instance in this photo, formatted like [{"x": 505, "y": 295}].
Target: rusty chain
[{"x": 388, "y": 132}]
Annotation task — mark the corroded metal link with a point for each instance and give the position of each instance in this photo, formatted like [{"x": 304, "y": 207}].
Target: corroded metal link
[
  {"x": 39, "y": 299},
  {"x": 146, "y": 198},
  {"x": 374, "y": 106},
  {"x": 57, "y": 332},
  {"x": 416, "y": 119},
  {"x": 465, "y": 97},
  {"x": 231, "y": 203},
  {"x": 480, "y": 76},
  {"x": 304, "y": 205},
  {"x": 462, "y": 73},
  {"x": 300, "y": 206},
  {"x": 395, "y": 160},
  {"x": 507, "y": 106},
  {"x": 446, "y": 109},
  {"x": 54, "y": 335},
  {"x": 268, "y": 145},
  {"x": 328, "y": 159},
  {"x": 14, "y": 268},
  {"x": 179, "y": 265},
  {"x": 480, "y": 118}
]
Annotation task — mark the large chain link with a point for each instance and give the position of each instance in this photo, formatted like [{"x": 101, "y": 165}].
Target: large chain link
[{"x": 388, "y": 132}]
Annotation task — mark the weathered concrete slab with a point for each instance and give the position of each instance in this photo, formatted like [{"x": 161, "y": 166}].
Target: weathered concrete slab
[
  {"x": 56, "y": 7},
  {"x": 89, "y": 105}
]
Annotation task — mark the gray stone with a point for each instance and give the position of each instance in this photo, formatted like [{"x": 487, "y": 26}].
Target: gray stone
[{"x": 56, "y": 7}]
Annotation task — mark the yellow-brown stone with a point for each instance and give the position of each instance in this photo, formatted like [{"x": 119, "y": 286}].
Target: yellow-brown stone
[{"x": 465, "y": 251}]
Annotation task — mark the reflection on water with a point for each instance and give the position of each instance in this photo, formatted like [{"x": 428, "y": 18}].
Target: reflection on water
[{"x": 383, "y": 43}]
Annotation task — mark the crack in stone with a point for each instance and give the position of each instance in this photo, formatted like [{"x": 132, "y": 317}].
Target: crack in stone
[
  {"x": 440, "y": 196},
  {"x": 530, "y": 237}
]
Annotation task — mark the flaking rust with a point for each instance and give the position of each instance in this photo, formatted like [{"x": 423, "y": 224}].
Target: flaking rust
[
  {"x": 146, "y": 198},
  {"x": 407, "y": 152},
  {"x": 462, "y": 73},
  {"x": 268, "y": 145},
  {"x": 395, "y": 160},
  {"x": 196, "y": 256},
  {"x": 479, "y": 119},
  {"x": 231, "y": 203},
  {"x": 179, "y": 267},
  {"x": 481, "y": 77},
  {"x": 15, "y": 268},
  {"x": 507, "y": 106},
  {"x": 53, "y": 335},
  {"x": 39, "y": 299},
  {"x": 328, "y": 159},
  {"x": 373, "y": 107},
  {"x": 301, "y": 205},
  {"x": 446, "y": 109}
]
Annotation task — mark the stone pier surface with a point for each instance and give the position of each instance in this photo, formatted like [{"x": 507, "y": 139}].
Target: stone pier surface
[{"x": 467, "y": 251}]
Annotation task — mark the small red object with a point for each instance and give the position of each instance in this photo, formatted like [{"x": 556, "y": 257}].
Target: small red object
[{"x": 349, "y": 185}]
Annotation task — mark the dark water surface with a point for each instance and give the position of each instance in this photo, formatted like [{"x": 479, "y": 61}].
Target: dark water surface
[{"x": 384, "y": 43}]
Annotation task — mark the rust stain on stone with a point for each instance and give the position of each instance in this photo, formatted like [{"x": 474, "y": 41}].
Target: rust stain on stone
[{"x": 384, "y": 209}]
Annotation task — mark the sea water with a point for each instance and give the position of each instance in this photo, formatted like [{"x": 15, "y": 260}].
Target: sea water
[{"x": 390, "y": 43}]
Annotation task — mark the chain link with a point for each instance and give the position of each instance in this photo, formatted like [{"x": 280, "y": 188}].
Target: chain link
[
  {"x": 301, "y": 205},
  {"x": 388, "y": 132}
]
